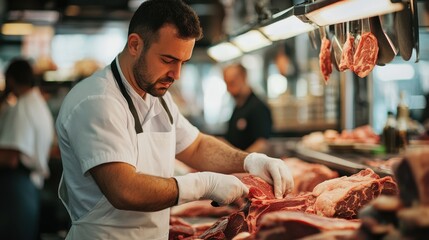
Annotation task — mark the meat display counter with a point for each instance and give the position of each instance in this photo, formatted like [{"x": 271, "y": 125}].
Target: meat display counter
[{"x": 347, "y": 161}]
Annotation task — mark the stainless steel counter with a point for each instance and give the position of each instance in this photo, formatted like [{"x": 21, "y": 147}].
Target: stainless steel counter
[{"x": 348, "y": 162}]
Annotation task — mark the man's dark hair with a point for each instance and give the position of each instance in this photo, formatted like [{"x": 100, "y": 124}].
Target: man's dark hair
[
  {"x": 21, "y": 72},
  {"x": 154, "y": 14}
]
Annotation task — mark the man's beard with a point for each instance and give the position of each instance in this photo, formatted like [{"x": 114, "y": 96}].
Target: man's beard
[{"x": 142, "y": 77}]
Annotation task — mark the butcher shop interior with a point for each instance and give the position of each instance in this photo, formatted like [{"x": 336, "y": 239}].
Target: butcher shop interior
[{"x": 345, "y": 84}]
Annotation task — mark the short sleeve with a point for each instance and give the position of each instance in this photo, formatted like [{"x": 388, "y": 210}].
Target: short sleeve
[{"x": 97, "y": 131}]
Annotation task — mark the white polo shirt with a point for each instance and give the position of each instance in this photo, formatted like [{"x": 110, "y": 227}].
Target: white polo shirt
[
  {"x": 95, "y": 126},
  {"x": 28, "y": 127}
]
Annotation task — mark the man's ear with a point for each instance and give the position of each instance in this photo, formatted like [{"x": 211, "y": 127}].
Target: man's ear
[{"x": 135, "y": 44}]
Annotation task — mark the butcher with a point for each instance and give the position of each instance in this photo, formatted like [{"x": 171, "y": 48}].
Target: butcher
[{"x": 119, "y": 133}]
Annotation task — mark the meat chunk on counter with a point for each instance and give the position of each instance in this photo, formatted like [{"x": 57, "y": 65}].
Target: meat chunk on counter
[
  {"x": 336, "y": 198},
  {"x": 296, "y": 225},
  {"x": 343, "y": 197},
  {"x": 307, "y": 175}
]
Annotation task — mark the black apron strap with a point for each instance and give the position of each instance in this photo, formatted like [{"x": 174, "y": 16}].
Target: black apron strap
[
  {"x": 164, "y": 105},
  {"x": 137, "y": 124}
]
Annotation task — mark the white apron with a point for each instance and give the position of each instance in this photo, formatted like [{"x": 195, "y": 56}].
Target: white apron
[{"x": 156, "y": 156}]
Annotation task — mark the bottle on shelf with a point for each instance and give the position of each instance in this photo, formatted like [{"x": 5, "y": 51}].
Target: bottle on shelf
[
  {"x": 402, "y": 120},
  {"x": 389, "y": 134}
]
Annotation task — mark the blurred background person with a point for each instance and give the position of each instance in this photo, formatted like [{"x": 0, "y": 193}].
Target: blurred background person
[
  {"x": 287, "y": 65},
  {"x": 425, "y": 117},
  {"x": 250, "y": 125},
  {"x": 26, "y": 135}
]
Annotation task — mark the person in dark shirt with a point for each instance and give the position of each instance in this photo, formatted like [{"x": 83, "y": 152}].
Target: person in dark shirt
[{"x": 250, "y": 125}]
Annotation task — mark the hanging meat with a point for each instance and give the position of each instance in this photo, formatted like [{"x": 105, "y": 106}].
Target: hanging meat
[
  {"x": 366, "y": 55},
  {"x": 325, "y": 58},
  {"x": 347, "y": 54}
]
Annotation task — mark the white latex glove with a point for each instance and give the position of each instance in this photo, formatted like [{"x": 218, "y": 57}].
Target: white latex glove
[
  {"x": 221, "y": 188},
  {"x": 272, "y": 170}
]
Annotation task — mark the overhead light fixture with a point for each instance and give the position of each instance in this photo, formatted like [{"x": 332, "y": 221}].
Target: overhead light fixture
[
  {"x": 224, "y": 51},
  {"x": 328, "y": 12},
  {"x": 280, "y": 26},
  {"x": 285, "y": 25},
  {"x": 251, "y": 40},
  {"x": 17, "y": 29},
  {"x": 395, "y": 72},
  {"x": 34, "y": 16}
]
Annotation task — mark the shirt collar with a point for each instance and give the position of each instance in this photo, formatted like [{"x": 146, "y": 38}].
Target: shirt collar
[{"x": 148, "y": 107}]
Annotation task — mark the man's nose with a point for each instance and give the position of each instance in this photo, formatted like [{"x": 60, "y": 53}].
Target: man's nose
[{"x": 175, "y": 71}]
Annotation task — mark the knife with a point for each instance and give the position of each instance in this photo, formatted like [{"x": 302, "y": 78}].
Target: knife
[{"x": 244, "y": 209}]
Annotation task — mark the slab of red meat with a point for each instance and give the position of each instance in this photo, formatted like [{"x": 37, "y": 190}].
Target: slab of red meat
[
  {"x": 258, "y": 208},
  {"x": 325, "y": 59},
  {"x": 179, "y": 229},
  {"x": 339, "y": 197},
  {"x": 200, "y": 228},
  {"x": 295, "y": 225},
  {"x": 366, "y": 54},
  {"x": 346, "y": 61},
  {"x": 343, "y": 197},
  {"x": 216, "y": 231},
  {"x": 307, "y": 175},
  {"x": 258, "y": 188},
  {"x": 334, "y": 235},
  {"x": 226, "y": 227},
  {"x": 244, "y": 236}
]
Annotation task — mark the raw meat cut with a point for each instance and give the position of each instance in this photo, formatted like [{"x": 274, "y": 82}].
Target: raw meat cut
[
  {"x": 295, "y": 225},
  {"x": 307, "y": 175},
  {"x": 217, "y": 230},
  {"x": 244, "y": 236},
  {"x": 412, "y": 174},
  {"x": 227, "y": 227},
  {"x": 258, "y": 188},
  {"x": 347, "y": 54},
  {"x": 365, "y": 56},
  {"x": 258, "y": 208},
  {"x": 343, "y": 197},
  {"x": 333, "y": 235},
  {"x": 362, "y": 134},
  {"x": 325, "y": 59},
  {"x": 179, "y": 229},
  {"x": 262, "y": 200},
  {"x": 200, "y": 228},
  {"x": 338, "y": 198}
]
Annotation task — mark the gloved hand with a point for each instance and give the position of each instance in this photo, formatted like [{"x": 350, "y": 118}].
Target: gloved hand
[
  {"x": 272, "y": 170},
  {"x": 221, "y": 188}
]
